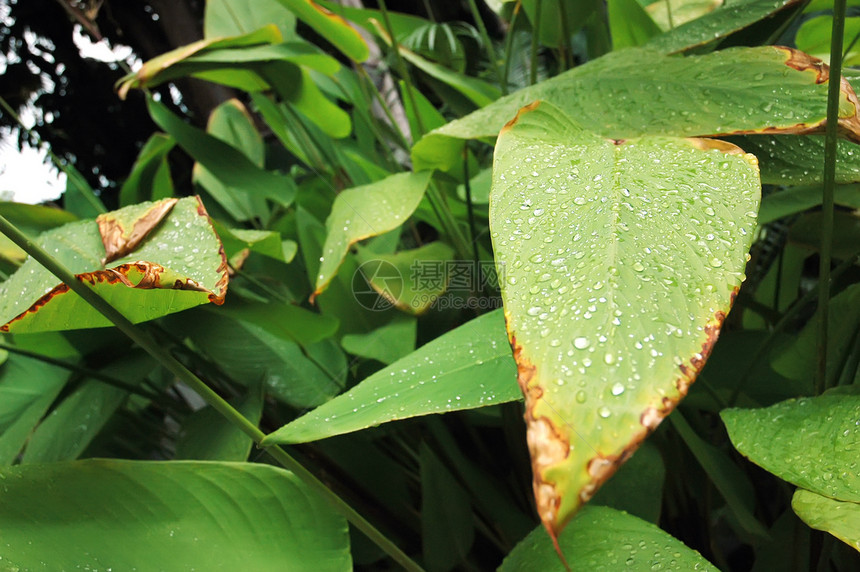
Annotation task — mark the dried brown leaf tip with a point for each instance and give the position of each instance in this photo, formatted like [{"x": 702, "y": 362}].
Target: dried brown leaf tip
[{"x": 121, "y": 236}]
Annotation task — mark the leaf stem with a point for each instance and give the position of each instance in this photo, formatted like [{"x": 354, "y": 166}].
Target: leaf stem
[
  {"x": 830, "y": 140},
  {"x": 491, "y": 53},
  {"x": 535, "y": 38},
  {"x": 145, "y": 341}
]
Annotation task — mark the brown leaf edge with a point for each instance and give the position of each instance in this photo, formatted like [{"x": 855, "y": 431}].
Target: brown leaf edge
[
  {"x": 151, "y": 279},
  {"x": 849, "y": 127},
  {"x": 120, "y": 241},
  {"x": 549, "y": 445}
]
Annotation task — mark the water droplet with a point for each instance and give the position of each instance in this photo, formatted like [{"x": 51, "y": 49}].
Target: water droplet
[
  {"x": 580, "y": 343},
  {"x": 618, "y": 388}
]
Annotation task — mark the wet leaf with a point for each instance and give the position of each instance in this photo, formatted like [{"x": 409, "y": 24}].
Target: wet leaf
[
  {"x": 174, "y": 265},
  {"x": 386, "y": 344},
  {"x": 813, "y": 442},
  {"x": 798, "y": 159},
  {"x": 102, "y": 514},
  {"x": 601, "y": 538},
  {"x": 795, "y": 200},
  {"x": 718, "y": 24},
  {"x": 365, "y": 211},
  {"x": 31, "y": 219},
  {"x": 839, "y": 518},
  {"x": 682, "y": 11},
  {"x": 625, "y": 94},
  {"x": 467, "y": 368},
  {"x": 621, "y": 259}
]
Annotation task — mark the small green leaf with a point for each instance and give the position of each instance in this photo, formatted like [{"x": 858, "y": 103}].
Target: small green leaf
[
  {"x": 162, "y": 260},
  {"x": 32, "y": 219},
  {"x": 601, "y": 538},
  {"x": 813, "y": 37},
  {"x": 122, "y": 515},
  {"x": 467, "y": 368},
  {"x": 620, "y": 261},
  {"x": 558, "y": 18},
  {"x": 630, "y": 24},
  {"x": 234, "y": 17},
  {"x": 682, "y": 11},
  {"x": 794, "y": 200},
  {"x": 145, "y": 182},
  {"x": 812, "y": 442},
  {"x": 369, "y": 210},
  {"x": 839, "y": 518},
  {"x": 330, "y": 26},
  {"x": 386, "y": 344}
]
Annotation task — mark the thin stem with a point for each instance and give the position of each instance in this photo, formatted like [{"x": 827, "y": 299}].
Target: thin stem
[
  {"x": 509, "y": 45},
  {"x": 830, "y": 140},
  {"x": 564, "y": 41},
  {"x": 535, "y": 38},
  {"x": 669, "y": 14},
  {"x": 491, "y": 53},
  {"x": 470, "y": 208},
  {"x": 145, "y": 341},
  {"x": 401, "y": 69},
  {"x": 73, "y": 176}
]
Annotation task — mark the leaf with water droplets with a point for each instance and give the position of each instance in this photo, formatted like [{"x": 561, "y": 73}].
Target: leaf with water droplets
[
  {"x": 797, "y": 159},
  {"x": 601, "y": 538},
  {"x": 839, "y": 518},
  {"x": 467, "y": 368},
  {"x": 620, "y": 260},
  {"x": 635, "y": 92},
  {"x": 365, "y": 211},
  {"x": 163, "y": 257},
  {"x": 811, "y": 442}
]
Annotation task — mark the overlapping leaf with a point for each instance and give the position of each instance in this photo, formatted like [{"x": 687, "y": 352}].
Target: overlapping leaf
[
  {"x": 147, "y": 260},
  {"x": 620, "y": 259},
  {"x": 742, "y": 90}
]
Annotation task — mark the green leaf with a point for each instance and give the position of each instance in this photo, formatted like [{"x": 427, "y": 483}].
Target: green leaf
[
  {"x": 415, "y": 278},
  {"x": 28, "y": 387},
  {"x": 797, "y": 159},
  {"x": 725, "y": 20},
  {"x": 102, "y": 514},
  {"x": 620, "y": 261},
  {"x": 208, "y": 436},
  {"x": 795, "y": 200},
  {"x": 31, "y": 219},
  {"x": 330, "y": 26},
  {"x": 604, "y": 538},
  {"x": 265, "y": 242},
  {"x": 813, "y": 37},
  {"x": 173, "y": 64},
  {"x": 811, "y": 442},
  {"x": 366, "y": 211},
  {"x": 841, "y": 519},
  {"x": 682, "y": 11},
  {"x": 558, "y": 17},
  {"x": 74, "y": 423},
  {"x": 447, "y": 528},
  {"x": 235, "y": 17},
  {"x": 147, "y": 178},
  {"x": 467, "y": 368},
  {"x": 630, "y": 24},
  {"x": 160, "y": 258},
  {"x": 637, "y": 487},
  {"x": 386, "y": 344},
  {"x": 229, "y": 165},
  {"x": 627, "y": 94}
]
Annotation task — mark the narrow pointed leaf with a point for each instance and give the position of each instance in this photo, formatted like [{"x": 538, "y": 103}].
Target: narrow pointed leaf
[
  {"x": 621, "y": 259},
  {"x": 331, "y": 27},
  {"x": 839, "y": 518},
  {"x": 601, "y": 538},
  {"x": 163, "y": 260},
  {"x": 178, "y": 515},
  {"x": 629, "y": 93},
  {"x": 366, "y": 211},
  {"x": 467, "y": 368}
]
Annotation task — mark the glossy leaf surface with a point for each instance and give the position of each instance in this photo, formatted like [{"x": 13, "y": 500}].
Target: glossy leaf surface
[
  {"x": 330, "y": 26},
  {"x": 813, "y": 443},
  {"x": 467, "y": 368},
  {"x": 169, "y": 515},
  {"x": 740, "y": 90},
  {"x": 366, "y": 211},
  {"x": 162, "y": 258},
  {"x": 601, "y": 538},
  {"x": 839, "y": 518},
  {"x": 621, "y": 259}
]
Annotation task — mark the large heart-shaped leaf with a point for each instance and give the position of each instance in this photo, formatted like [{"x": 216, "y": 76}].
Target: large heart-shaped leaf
[
  {"x": 620, "y": 260},
  {"x": 119, "y": 515},
  {"x": 147, "y": 260}
]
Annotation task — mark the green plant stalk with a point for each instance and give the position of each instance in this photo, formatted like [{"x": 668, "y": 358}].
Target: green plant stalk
[
  {"x": 509, "y": 44},
  {"x": 449, "y": 223},
  {"x": 830, "y": 139},
  {"x": 564, "y": 42},
  {"x": 491, "y": 54},
  {"x": 84, "y": 189},
  {"x": 185, "y": 375},
  {"x": 535, "y": 37},
  {"x": 401, "y": 68}
]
